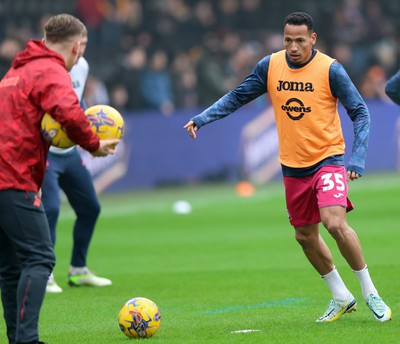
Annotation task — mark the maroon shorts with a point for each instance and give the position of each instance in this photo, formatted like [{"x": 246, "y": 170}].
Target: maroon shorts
[{"x": 304, "y": 196}]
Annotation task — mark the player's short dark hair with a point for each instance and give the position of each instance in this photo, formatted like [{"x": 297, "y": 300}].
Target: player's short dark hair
[
  {"x": 62, "y": 27},
  {"x": 300, "y": 18}
]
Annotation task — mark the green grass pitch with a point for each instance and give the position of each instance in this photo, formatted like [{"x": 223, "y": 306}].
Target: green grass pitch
[{"x": 230, "y": 265}]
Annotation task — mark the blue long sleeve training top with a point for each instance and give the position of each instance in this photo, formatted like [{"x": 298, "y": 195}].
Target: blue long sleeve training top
[{"x": 342, "y": 88}]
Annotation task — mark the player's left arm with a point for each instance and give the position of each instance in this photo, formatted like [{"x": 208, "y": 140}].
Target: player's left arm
[
  {"x": 392, "y": 88},
  {"x": 343, "y": 88}
]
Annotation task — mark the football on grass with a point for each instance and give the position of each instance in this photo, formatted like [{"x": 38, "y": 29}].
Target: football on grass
[
  {"x": 139, "y": 318},
  {"x": 106, "y": 122}
]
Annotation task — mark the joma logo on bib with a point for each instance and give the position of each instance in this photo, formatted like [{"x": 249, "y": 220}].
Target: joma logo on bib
[{"x": 295, "y": 86}]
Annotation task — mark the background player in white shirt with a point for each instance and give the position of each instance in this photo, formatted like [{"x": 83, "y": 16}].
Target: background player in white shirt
[{"x": 66, "y": 170}]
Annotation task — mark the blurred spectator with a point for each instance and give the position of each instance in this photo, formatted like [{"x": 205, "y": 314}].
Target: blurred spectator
[
  {"x": 251, "y": 17},
  {"x": 184, "y": 81},
  {"x": 125, "y": 86},
  {"x": 211, "y": 81},
  {"x": 245, "y": 58},
  {"x": 229, "y": 17},
  {"x": 119, "y": 97},
  {"x": 373, "y": 84},
  {"x": 204, "y": 18},
  {"x": 93, "y": 13},
  {"x": 385, "y": 53},
  {"x": 9, "y": 47},
  {"x": 209, "y": 45},
  {"x": 156, "y": 83},
  {"x": 95, "y": 92},
  {"x": 377, "y": 25}
]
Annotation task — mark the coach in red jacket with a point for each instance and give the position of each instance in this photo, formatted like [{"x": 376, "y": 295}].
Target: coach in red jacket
[{"x": 37, "y": 82}]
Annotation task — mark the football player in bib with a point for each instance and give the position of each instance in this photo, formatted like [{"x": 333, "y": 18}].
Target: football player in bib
[{"x": 304, "y": 86}]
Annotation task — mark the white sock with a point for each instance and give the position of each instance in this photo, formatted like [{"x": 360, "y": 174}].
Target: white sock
[
  {"x": 73, "y": 270},
  {"x": 367, "y": 287},
  {"x": 337, "y": 287}
]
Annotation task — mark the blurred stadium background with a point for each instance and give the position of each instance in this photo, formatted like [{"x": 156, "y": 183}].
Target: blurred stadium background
[
  {"x": 162, "y": 61},
  {"x": 231, "y": 264}
]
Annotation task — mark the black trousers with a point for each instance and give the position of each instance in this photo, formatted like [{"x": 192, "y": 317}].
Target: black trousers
[{"x": 26, "y": 261}]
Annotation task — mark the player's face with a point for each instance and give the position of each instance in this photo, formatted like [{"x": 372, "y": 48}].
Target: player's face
[
  {"x": 82, "y": 48},
  {"x": 75, "y": 48},
  {"x": 298, "y": 42}
]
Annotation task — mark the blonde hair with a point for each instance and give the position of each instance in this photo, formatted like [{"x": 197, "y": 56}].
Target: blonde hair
[{"x": 63, "y": 27}]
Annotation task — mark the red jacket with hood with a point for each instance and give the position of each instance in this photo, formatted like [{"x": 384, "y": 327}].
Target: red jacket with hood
[{"x": 37, "y": 82}]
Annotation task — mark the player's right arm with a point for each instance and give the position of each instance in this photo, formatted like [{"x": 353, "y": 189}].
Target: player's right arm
[
  {"x": 251, "y": 88},
  {"x": 392, "y": 88}
]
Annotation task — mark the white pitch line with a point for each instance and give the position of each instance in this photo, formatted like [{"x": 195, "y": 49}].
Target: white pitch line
[{"x": 245, "y": 331}]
